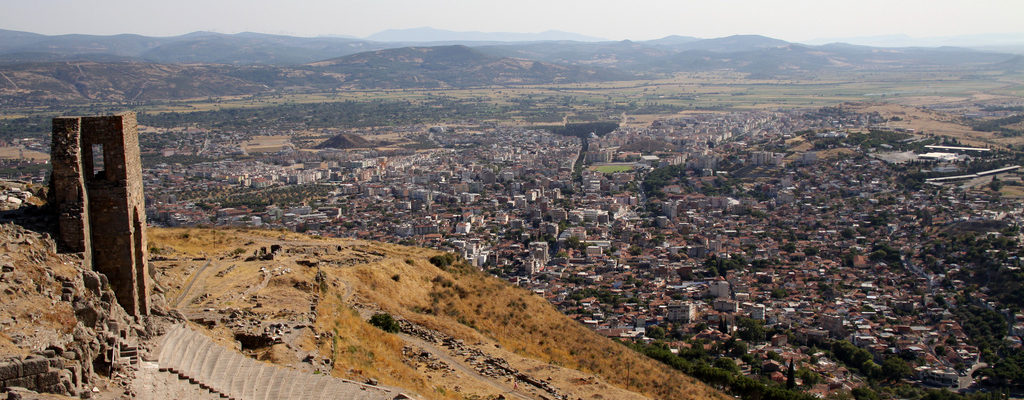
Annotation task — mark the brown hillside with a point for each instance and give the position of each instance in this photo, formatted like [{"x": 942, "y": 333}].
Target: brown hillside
[
  {"x": 344, "y": 141},
  {"x": 465, "y": 334}
]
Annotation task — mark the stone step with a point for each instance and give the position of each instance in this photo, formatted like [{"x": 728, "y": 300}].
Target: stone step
[
  {"x": 227, "y": 374},
  {"x": 151, "y": 383},
  {"x": 206, "y": 371},
  {"x": 188, "y": 354},
  {"x": 170, "y": 353},
  {"x": 330, "y": 391},
  {"x": 293, "y": 387},
  {"x": 165, "y": 349},
  {"x": 314, "y": 389},
  {"x": 271, "y": 387},
  {"x": 249, "y": 387},
  {"x": 283, "y": 388},
  {"x": 223, "y": 372},
  {"x": 243, "y": 371},
  {"x": 277, "y": 386},
  {"x": 187, "y": 341},
  {"x": 202, "y": 351}
]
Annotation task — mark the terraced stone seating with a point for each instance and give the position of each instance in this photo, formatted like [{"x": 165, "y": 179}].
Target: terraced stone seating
[{"x": 224, "y": 372}]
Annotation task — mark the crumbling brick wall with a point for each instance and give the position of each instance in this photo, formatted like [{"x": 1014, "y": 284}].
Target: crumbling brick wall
[{"x": 97, "y": 189}]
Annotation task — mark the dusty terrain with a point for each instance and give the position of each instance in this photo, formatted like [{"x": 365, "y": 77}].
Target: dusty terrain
[
  {"x": 925, "y": 121},
  {"x": 305, "y": 301},
  {"x": 19, "y": 153}
]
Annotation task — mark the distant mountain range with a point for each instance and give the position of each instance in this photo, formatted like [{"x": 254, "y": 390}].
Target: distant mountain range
[
  {"x": 426, "y": 34},
  {"x": 39, "y": 68},
  {"x": 984, "y": 41},
  {"x": 196, "y": 47}
]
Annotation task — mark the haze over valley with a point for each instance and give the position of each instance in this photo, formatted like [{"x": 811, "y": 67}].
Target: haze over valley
[{"x": 373, "y": 208}]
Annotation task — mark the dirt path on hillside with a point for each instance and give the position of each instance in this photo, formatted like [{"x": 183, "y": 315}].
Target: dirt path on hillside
[
  {"x": 191, "y": 282},
  {"x": 463, "y": 368}
]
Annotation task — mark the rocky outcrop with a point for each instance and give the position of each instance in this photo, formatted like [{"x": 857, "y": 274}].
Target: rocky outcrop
[
  {"x": 484, "y": 364},
  {"x": 64, "y": 318}
]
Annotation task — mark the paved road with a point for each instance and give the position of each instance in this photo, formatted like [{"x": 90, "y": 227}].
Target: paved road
[{"x": 967, "y": 381}]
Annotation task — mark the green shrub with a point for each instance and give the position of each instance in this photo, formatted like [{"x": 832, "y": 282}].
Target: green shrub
[{"x": 385, "y": 322}]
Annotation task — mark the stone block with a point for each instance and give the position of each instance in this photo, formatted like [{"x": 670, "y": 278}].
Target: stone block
[
  {"x": 48, "y": 379},
  {"x": 87, "y": 314},
  {"x": 92, "y": 281},
  {"x": 34, "y": 366},
  {"x": 28, "y": 382},
  {"x": 10, "y": 370}
]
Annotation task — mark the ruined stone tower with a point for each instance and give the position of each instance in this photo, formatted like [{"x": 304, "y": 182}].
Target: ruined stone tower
[{"x": 96, "y": 188}]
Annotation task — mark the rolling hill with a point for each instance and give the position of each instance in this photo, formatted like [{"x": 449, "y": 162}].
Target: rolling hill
[
  {"x": 130, "y": 68},
  {"x": 427, "y": 34},
  {"x": 452, "y": 66},
  {"x": 415, "y": 67},
  {"x": 344, "y": 141},
  {"x": 196, "y": 47}
]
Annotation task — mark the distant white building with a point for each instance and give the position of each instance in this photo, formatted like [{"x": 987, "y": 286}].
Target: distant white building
[
  {"x": 539, "y": 251},
  {"x": 726, "y": 305},
  {"x": 809, "y": 157},
  {"x": 720, "y": 290},
  {"x": 682, "y": 311},
  {"x": 938, "y": 376}
]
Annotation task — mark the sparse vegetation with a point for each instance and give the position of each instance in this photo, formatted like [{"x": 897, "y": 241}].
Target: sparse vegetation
[{"x": 385, "y": 322}]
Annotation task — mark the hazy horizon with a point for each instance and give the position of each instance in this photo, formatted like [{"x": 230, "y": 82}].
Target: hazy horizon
[
  {"x": 1013, "y": 42},
  {"x": 791, "y": 20}
]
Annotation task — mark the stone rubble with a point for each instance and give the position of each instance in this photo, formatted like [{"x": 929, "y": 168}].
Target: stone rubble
[
  {"x": 486, "y": 365},
  {"x": 97, "y": 344}
]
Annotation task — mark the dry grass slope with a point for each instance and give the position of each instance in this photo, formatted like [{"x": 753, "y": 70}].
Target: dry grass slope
[
  {"x": 457, "y": 300},
  {"x": 470, "y": 305}
]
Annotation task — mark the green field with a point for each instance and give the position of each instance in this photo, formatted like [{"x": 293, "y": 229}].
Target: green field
[
  {"x": 635, "y": 103},
  {"x": 611, "y": 169},
  {"x": 697, "y": 91}
]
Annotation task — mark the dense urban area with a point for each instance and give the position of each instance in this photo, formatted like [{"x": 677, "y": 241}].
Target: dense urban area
[{"x": 821, "y": 250}]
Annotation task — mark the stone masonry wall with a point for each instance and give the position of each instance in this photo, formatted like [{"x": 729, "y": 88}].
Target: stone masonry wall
[
  {"x": 67, "y": 188},
  {"x": 41, "y": 374},
  {"x": 107, "y": 220}
]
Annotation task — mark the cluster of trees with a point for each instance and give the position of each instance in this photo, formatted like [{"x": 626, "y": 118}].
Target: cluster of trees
[
  {"x": 872, "y": 139},
  {"x": 885, "y": 253},
  {"x": 893, "y": 368},
  {"x": 721, "y": 374},
  {"x": 986, "y": 329},
  {"x": 23, "y": 128},
  {"x": 661, "y": 177},
  {"x": 999, "y": 125},
  {"x": 259, "y": 199},
  {"x": 584, "y": 129},
  {"x": 719, "y": 266},
  {"x": 16, "y": 168}
]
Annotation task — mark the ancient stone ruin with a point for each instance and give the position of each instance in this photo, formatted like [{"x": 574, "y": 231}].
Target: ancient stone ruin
[{"x": 96, "y": 188}]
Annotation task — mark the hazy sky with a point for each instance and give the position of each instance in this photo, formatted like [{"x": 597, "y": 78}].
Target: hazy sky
[{"x": 794, "y": 20}]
